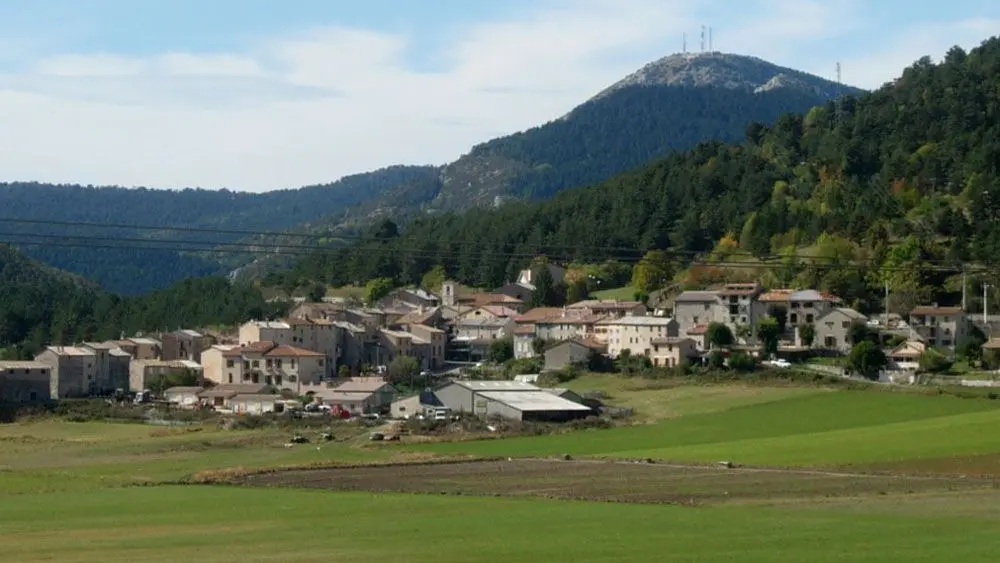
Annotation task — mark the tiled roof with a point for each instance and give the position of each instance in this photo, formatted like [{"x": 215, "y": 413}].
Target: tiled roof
[
  {"x": 608, "y": 304},
  {"x": 697, "y": 297},
  {"x": 538, "y": 313},
  {"x": 572, "y": 320},
  {"x": 697, "y": 330},
  {"x": 525, "y": 329},
  {"x": 293, "y": 352},
  {"x": 70, "y": 351},
  {"x": 638, "y": 321},
  {"x": 776, "y": 295}
]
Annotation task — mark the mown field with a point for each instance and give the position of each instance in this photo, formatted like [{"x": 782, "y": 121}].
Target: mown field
[
  {"x": 224, "y": 524},
  {"x": 831, "y": 429},
  {"x": 890, "y": 477}
]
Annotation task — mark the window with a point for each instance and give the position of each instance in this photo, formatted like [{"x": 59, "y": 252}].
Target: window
[
  {"x": 793, "y": 318},
  {"x": 695, "y": 319},
  {"x": 255, "y": 363},
  {"x": 845, "y": 324},
  {"x": 255, "y": 378},
  {"x": 809, "y": 319},
  {"x": 230, "y": 363},
  {"x": 707, "y": 306},
  {"x": 321, "y": 363},
  {"x": 246, "y": 364},
  {"x": 292, "y": 378},
  {"x": 230, "y": 378},
  {"x": 277, "y": 363}
]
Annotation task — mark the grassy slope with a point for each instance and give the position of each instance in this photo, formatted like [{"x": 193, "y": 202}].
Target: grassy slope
[
  {"x": 822, "y": 429},
  {"x": 211, "y": 524},
  {"x": 626, "y": 293}
]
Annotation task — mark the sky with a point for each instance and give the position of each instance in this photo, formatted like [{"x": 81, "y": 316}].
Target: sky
[{"x": 256, "y": 95}]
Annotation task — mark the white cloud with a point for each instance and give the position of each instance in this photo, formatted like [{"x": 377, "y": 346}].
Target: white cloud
[{"x": 330, "y": 101}]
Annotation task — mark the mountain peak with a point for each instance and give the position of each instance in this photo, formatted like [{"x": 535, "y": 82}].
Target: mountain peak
[{"x": 726, "y": 70}]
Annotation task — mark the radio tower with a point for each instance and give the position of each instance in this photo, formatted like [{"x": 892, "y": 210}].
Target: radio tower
[
  {"x": 709, "y": 40},
  {"x": 684, "y": 48},
  {"x": 838, "y": 72},
  {"x": 702, "y": 39}
]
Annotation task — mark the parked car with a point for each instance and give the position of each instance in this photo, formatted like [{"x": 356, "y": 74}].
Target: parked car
[{"x": 780, "y": 363}]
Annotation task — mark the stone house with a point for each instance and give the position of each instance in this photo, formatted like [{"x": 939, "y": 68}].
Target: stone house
[
  {"x": 672, "y": 351},
  {"x": 636, "y": 334},
  {"x": 942, "y": 327},
  {"x": 25, "y": 382}
]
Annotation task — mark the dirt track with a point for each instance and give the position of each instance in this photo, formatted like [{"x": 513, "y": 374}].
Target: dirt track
[{"x": 607, "y": 481}]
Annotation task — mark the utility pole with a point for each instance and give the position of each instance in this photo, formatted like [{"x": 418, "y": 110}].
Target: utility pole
[
  {"x": 986, "y": 303},
  {"x": 965, "y": 280}
]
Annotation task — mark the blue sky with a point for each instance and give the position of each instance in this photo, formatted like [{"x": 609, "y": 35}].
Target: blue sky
[{"x": 259, "y": 94}]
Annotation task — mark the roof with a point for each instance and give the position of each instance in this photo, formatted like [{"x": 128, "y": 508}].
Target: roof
[
  {"x": 24, "y": 365},
  {"x": 526, "y": 330},
  {"x": 776, "y": 295},
  {"x": 496, "y": 386},
  {"x": 538, "y": 313},
  {"x": 292, "y": 351},
  {"x": 101, "y": 345},
  {"x": 534, "y": 401},
  {"x": 270, "y": 324},
  {"x": 697, "y": 297},
  {"x": 361, "y": 385},
  {"x": 189, "y": 333},
  {"x": 174, "y": 390},
  {"x": 908, "y": 349},
  {"x": 494, "y": 298},
  {"x": 847, "y": 312},
  {"x": 397, "y": 334},
  {"x": 346, "y": 396},
  {"x": 426, "y": 328},
  {"x": 70, "y": 351},
  {"x": 118, "y": 352},
  {"x": 935, "y": 310},
  {"x": 499, "y": 310},
  {"x": 807, "y": 295},
  {"x": 186, "y": 364},
  {"x": 639, "y": 321},
  {"x": 232, "y": 389},
  {"x": 697, "y": 330},
  {"x": 145, "y": 341},
  {"x": 421, "y": 294}
]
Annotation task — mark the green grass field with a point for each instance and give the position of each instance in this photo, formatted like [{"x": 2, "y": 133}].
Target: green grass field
[
  {"x": 822, "y": 429},
  {"x": 217, "y": 524},
  {"x": 70, "y": 456},
  {"x": 65, "y": 494}
]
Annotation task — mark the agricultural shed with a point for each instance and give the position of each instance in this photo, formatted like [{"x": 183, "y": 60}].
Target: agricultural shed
[
  {"x": 461, "y": 396},
  {"x": 540, "y": 406}
]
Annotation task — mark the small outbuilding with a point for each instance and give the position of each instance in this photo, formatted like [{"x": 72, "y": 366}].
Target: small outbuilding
[
  {"x": 186, "y": 397},
  {"x": 535, "y": 406},
  {"x": 257, "y": 404}
]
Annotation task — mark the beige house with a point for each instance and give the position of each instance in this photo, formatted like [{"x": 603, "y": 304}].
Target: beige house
[
  {"x": 566, "y": 326},
  {"x": 184, "y": 345},
  {"x": 942, "y": 327},
  {"x": 264, "y": 363},
  {"x": 699, "y": 335},
  {"x": 636, "y": 334},
  {"x": 256, "y": 404},
  {"x": 25, "y": 382},
  {"x": 807, "y": 305},
  {"x": 672, "y": 351},
  {"x": 353, "y": 402},
  {"x": 483, "y": 328},
  {"x": 321, "y": 336},
  {"x": 693, "y": 308},
  {"x": 525, "y": 329},
  {"x": 833, "y": 328},
  {"x": 906, "y": 356},
  {"x": 73, "y": 371}
]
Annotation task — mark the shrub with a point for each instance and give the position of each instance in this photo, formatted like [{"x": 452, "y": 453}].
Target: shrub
[{"x": 741, "y": 361}]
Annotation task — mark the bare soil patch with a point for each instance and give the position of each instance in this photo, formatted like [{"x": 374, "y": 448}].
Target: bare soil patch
[{"x": 610, "y": 481}]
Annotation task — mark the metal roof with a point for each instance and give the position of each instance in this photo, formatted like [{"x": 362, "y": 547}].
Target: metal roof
[
  {"x": 497, "y": 386},
  {"x": 534, "y": 401}
]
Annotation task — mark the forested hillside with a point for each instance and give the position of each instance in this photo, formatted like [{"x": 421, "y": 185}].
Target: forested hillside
[
  {"x": 127, "y": 266},
  {"x": 40, "y": 305},
  {"x": 670, "y": 104},
  {"x": 897, "y": 186}
]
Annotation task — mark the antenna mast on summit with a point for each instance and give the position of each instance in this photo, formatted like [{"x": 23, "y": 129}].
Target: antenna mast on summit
[
  {"x": 702, "y": 39},
  {"x": 684, "y": 48},
  {"x": 838, "y": 72},
  {"x": 710, "y": 40},
  {"x": 839, "y": 104}
]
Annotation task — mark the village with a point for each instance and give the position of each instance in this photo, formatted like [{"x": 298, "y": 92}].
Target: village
[{"x": 330, "y": 356}]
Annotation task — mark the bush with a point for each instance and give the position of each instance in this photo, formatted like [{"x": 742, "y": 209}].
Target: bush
[
  {"x": 717, "y": 360},
  {"x": 932, "y": 361},
  {"x": 741, "y": 361}
]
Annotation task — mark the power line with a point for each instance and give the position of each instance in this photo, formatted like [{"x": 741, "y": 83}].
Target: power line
[
  {"x": 774, "y": 263},
  {"x": 285, "y": 248}
]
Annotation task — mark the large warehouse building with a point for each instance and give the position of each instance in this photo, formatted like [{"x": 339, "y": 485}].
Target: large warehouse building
[{"x": 509, "y": 399}]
